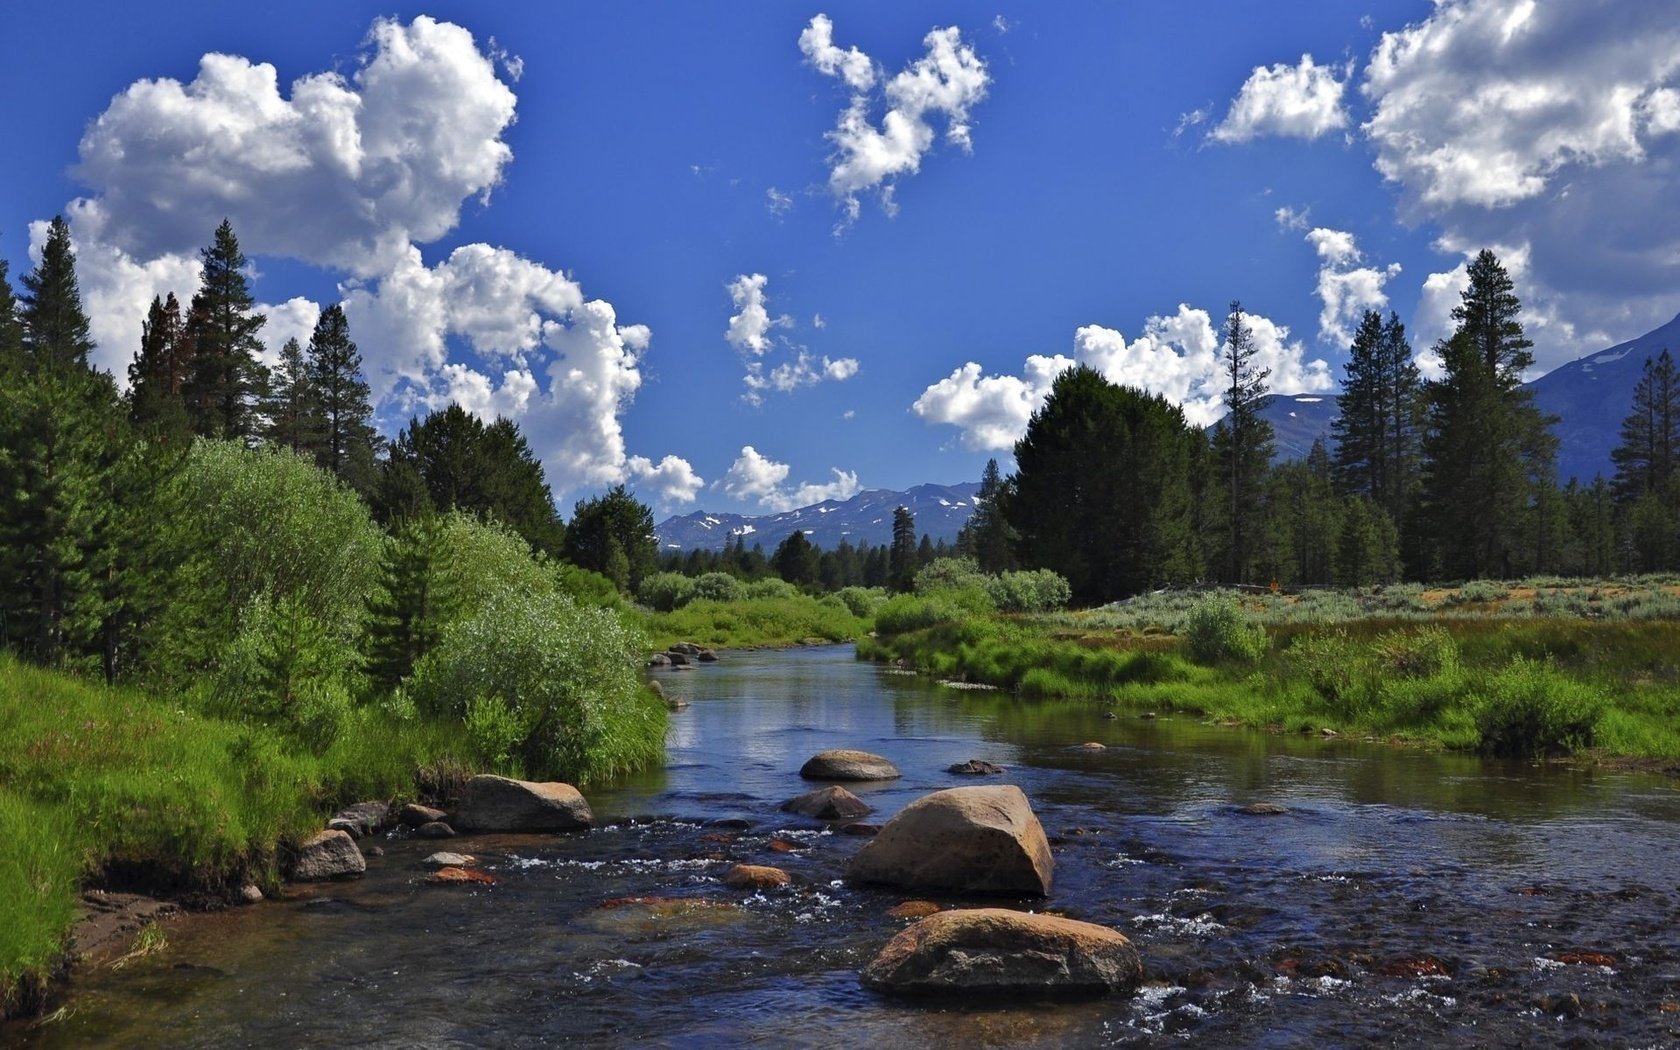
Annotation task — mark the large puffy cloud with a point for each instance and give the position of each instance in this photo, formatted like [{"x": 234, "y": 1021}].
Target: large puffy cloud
[
  {"x": 1346, "y": 289},
  {"x": 945, "y": 83},
  {"x": 1176, "y": 357},
  {"x": 1301, "y": 101},
  {"x": 1549, "y": 129},
  {"x": 343, "y": 171},
  {"x": 749, "y": 332},
  {"x": 756, "y": 477}
]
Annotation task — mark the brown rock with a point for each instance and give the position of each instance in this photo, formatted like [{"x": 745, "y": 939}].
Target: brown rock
[
  {"x": 435, "y": 829},
  {"x": 994, "y": 951},
  {"x": 829, "y": 803},
  {"x": 755, "y": 877},
  {"x": 913, "y": 910},
  {"x": 461, "y": 877},
  {"x": 963, "y": 840},
  {"x": 330, "y": 854},
  {"x": 1263, "y": 809},
  {"x": 846, "y": 764},
  {"x": 861, "y": 828},
  {"x": 414, "y": 814},
  {"x": 492, "y": 803}
]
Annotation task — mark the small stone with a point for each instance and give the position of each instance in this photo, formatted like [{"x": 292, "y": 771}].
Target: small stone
[
  {"x": 659, "y": 660},
  {"x": 1263, "y": 809},
  {"x": 676, "y": 703},
  {"x": 435, "y": 829},
  {"x": 450, "y": 860},
  {"x": 1147, "y": 716},
  {"x": 368, "y": 817},
  {"x": 250, "y": 893},
  {"x": 829, "y": 803},
  {"x": 913, "y": 910},
  {"x": 373, "y": 851},
  {"x": 1089, "y": 745},
  {"x": 755, "y": 877},
  {"x": 786, "y": 846},
  {"x": 460, "y": 877},
  {"x": 656, "y": 689},
  {"x": 349, "y": 827},
  {"x": 860, "y": 828},
  {"x": 330, "y": 854},
  {"x": 730, "y": 823}
]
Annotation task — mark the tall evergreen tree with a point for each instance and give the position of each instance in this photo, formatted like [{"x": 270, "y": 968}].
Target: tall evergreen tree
[
  {"x": 901, "y": 556},
  {"x": 987, "y": 536},
  {"x": 11, "y": 327},
  {"x": 1648, "y": 458},
  {"x": 55, "y": 327},
  {"x": 226, "y": 380},
  {"x": 1377, "y": 428},
  {"x": 1101, "y": 492},
  {"x": 346, "y": 436},
  {"x": 1242, "y": 444},
  {"x": 1487, "y": 447},
  {"x": 156, "y": 374},
  {"x": 613, "y": 535},
  {"x": 291, "y": 412},
  {"x": 797, "y": 561}
]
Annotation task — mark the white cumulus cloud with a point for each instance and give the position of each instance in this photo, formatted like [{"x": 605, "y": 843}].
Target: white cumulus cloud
[
  {"x": 749, "y": 332},
  {"x": 1346, "y": 289},
  {"x": 1301, "y": 101},
  {"x": 755, "y": 477},
  {"x": 944, "y": 84},
  {"x": 1176, "y": 357}
]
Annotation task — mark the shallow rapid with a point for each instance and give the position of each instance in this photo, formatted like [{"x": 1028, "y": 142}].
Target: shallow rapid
[{"x": 1404, "y": 897}]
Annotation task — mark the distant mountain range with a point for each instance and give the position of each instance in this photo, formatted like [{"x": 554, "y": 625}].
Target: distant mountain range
[
  {"x": 1590, "y": 396},
  {"x": 940, "y": 511}
]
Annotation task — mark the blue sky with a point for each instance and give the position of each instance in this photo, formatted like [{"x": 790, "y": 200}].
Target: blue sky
[{"x": 746, "y": 256}]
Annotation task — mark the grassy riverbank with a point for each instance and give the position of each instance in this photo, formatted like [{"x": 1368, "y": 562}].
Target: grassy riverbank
[
  {"x": 1502, "y": 669},
  {"x": 104, "y": 784},
  {"x": 772, "y": 621}
]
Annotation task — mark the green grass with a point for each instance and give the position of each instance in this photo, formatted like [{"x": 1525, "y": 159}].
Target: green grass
[
  {"x": 1515, "y": 684},
  {"x": 774, "y": 621},
  {"x": 102, "y": 783}
]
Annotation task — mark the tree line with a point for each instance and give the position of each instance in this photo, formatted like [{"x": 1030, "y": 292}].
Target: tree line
[
  {"x": 1448, "y": 479},
  {"x": 90, "y": 476}
]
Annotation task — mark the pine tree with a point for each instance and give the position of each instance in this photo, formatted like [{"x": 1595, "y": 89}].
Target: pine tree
[
  {"x": 55, "y": 327},
  {"x": 1487, "y": 448},
  {"x": 1242, "y": 444},
  {"x": 986, "y": 536},
  {"x": 156, "y": 375},
  {"x": 796, "y": 560},
  {"x": 1648, "y": 458},
  {"x": 227, "y": 379},
  {"x": 901, "y": 556},
  {"x": 407, "y": 613},
  {"x": 1377, "y": 428},
  {"x": 613, "y": 535},
  {"x": 11, "y": 328},
  {"x": 292, "y": 412},
  {"x": 346, "y": 434}
]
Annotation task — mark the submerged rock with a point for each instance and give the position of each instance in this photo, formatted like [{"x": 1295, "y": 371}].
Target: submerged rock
[
  {"x": 492, "y": 803},
  {"x": 755, "y": 877},
  {"x": 1263, "y": 809},
  {"x": 994, "y": 951},
  {"x": 450, "y": 876},
  {"x": 829, "y": 803},
  {"x": 330, "y": 854},
  {"x": 963, "y": 840},
  {"x": 435, "y": 829},
  {"x": 847, "y": 764},
  {"x": 975, "y": 767},
  {"x": 450, "y": 860}
]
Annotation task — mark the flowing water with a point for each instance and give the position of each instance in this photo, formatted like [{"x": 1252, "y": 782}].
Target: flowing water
[{"x": 1405, "y": 898}]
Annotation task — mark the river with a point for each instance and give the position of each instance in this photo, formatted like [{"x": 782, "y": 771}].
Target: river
[{"x": 1405, "y": 898}]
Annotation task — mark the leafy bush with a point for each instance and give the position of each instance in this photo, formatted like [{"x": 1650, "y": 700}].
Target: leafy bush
[
  {"x": 912, "y": 612},
  {"x": 862, "y": 601},
  {"x": 1479, "y": 591},
  {"x": 1329, "y": 664},
  {"x": 770, "y": 587},
  {"x": 664, "y": 591},
  {"x": 717, "y": 587},
  {"x": 1216, "y": 630},
  {"x": 1037, "y": 591},
  {"x": 949, "y": 574},
  {"x": 1530, "y": 709},
  {"x": 1416, "y": 654},
  {"x": 564, "y": 675}
]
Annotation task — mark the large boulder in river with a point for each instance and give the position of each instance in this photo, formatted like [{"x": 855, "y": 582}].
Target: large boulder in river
[
  {"x": 994, "y": 951},
  {"x": 492, "y": 803},
  {"x": 330, "y": 854},
  {"x": 962, "y": 840},
  {"x": 846, "y": 764},
  {"x": 829, "y": 803}
]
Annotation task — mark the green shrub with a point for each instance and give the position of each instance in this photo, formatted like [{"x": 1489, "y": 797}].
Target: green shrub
[
  {"x": 1037, "y": 591},
  {"x": 1415, "y": 654},
  {"x": 1479, "y": 591},
  {"x": 948, "y": 574},
  {"x": 1530, "y": 709},
  {"x": 1328, "y": 663},
  {"x": 288, "y": 669},
  {"x": 1216, "y": 631},
  {"x": 567, "y": 675},
  {"x": 717, "y": 587},
  {"x": 770, "y": 587},
  {"x": 664, "y": 591},
  {"x": 862, "y": 601}
]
